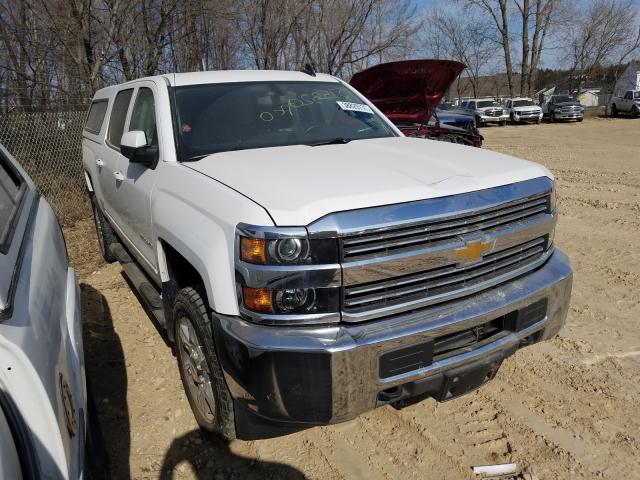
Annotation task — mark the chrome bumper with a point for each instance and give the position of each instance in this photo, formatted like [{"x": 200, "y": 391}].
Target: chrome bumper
[
  {"x": 311, "y": 376},
  {"x": 568, "y": 115},
  {"x": 488, "y": 119}
]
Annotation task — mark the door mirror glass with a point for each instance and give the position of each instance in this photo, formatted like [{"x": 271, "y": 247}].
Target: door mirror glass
[{"x": 134, "y": 146}]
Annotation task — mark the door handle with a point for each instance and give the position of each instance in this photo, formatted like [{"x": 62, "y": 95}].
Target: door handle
[
  {"x": 119, "y": 176},
  {"x": 99, "y": 162}
]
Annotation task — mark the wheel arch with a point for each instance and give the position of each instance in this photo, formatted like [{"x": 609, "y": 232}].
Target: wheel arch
[{"x": 177, "y": 271}]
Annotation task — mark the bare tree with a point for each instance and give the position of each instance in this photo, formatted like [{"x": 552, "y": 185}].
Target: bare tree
[
  {"x": 461, "y": 36},
  {"x": 499, "y": 12},
  {"x": 606, "y": 33}
]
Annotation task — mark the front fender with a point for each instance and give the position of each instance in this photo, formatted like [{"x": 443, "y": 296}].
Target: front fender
[{"x": 197, "y": 216}]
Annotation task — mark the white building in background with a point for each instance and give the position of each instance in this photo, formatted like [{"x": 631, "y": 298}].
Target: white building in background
[
  {"x": 590, "y": 97},
  {"x": 629, "y": 80}
]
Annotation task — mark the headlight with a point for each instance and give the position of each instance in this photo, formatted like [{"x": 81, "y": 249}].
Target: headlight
[
  {"x": 283, "y": 276},
  {"x": 287, "y": 251},
  {"x": 291, "y": 300}
]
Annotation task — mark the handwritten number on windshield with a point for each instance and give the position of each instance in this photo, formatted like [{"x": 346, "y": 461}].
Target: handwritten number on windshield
[{"x": 304, "y": 100}]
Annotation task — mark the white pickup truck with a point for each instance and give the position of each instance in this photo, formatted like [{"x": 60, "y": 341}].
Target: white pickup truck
[
  {"x": 308, "y": 261},
  {"x": 628, "y": 103}
]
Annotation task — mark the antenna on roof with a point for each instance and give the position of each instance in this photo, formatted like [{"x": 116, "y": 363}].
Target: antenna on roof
[{"x": 308, "y": 69}]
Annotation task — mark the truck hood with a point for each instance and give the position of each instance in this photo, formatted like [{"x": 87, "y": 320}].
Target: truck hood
[
  {"x": 299, "y": 184},
  {"x": 530, "y": 108},
  {"x": 407, "y": 91}
]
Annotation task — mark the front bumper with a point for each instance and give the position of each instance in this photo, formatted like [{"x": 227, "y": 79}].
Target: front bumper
[
  {"x": 296, "y": 377},
  {"x": 568, "y": 115},
  {"x": 527, "y": 117},
  {"x": 491, "y": 119}
]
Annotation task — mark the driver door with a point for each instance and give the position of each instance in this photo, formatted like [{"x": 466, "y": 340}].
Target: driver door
[{"x": 133, "y": 196}]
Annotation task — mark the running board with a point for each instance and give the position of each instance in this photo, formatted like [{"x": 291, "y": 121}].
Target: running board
[{"x": 147, "y": 293}]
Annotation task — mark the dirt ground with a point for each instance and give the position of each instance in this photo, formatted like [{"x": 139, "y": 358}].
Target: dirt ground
[{"x": 565, "y": 409}]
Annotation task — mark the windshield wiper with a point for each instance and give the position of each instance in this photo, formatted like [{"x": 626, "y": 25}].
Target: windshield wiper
[
  {"x": 195, "y": 157},
  {"x": 333, "y": 141}
]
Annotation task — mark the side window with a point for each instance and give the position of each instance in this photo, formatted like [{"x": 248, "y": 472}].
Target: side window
[
  {"x": 472, "y": 105},
  {"x": 508, "y": 103},
  {"x": 118, "y": 116},
  {"x": 11, "y": 191},
  {"x": 143, "y": 115},
  {"x": 96, "y": 116},
  {"x": 627, "y": 95}
]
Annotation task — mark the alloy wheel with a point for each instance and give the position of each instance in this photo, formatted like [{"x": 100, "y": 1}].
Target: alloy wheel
[{"x": 195, "y": 369}]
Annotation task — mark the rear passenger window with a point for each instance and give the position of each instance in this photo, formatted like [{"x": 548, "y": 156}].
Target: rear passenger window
[
  {"x": 118, "y": 116},
  {"x": 11, "y": 190},
  {"x": 96, "y": 116}
]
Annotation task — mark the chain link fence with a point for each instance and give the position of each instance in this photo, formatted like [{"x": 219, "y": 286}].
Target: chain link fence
[{"x": 48, "y": 145}]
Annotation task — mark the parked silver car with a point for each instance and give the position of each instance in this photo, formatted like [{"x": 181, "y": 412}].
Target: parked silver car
[
  {"x": 486, "y": 111},
  {"x": 42, "y": 381}
]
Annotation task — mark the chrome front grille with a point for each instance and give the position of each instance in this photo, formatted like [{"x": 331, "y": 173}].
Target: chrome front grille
[
  {"x": 408, "y": 256},
  {"x": 438, "y": 282},
  {"x": 430, "y": 233}
]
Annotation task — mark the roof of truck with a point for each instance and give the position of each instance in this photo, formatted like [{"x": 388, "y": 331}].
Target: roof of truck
[{"x": 225, "y": 76}]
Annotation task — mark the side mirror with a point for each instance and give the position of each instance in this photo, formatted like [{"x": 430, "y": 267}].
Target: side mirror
[{"x": 133, "y": 145}]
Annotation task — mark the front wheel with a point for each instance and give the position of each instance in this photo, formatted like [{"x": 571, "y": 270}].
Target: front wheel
[
  {"x": 200, "y": 371},
  {"x": 635, "y": 111},
  {"x": 614, "y": 110},
  {"x": 503, "y": 123}
]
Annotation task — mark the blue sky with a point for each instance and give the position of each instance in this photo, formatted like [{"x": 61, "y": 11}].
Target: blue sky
[{"x": 552, "y": 56}]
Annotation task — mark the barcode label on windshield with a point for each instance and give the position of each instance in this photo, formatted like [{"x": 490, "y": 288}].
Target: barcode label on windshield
[{"x": 355, "y": 107}]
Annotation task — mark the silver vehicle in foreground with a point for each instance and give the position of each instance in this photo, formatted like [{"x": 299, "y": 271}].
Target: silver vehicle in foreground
[{"x": 42, "y": 382}]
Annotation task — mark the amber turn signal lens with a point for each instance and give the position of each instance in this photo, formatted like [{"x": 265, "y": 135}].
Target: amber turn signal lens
[
  {"x": 257, "y": 299},
  {"x": 253, "y": 250}
]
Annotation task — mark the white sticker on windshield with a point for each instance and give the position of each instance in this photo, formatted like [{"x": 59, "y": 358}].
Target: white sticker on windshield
[{"x": 355, "y": 107}]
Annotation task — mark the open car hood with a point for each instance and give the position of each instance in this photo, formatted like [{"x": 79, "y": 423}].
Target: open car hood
[{"x": 407, "y": 91}]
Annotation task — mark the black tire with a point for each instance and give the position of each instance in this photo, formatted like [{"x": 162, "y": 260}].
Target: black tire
[
  {"x": 478, "y": 121},
  {"x": 614, "y": 110},
  {"x": 208, "y": 394},
  {"x": 539, "y": 121},
  {"x": 503, "y": 123},
  {"x": 106, "y": 235},
  {"x": 513, "y": 120},
  {"x": 635, "y": 111},
  {"x": 579, "y": 120}
]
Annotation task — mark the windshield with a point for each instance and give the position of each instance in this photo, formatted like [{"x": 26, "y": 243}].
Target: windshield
[
  {"x": 487, "y": 103},
  {"x": 563, "y": 99},
  {"x": 523, "y": 103},
  {"x": 445, "y": 106},
  {"x": 221, "y": 117}
]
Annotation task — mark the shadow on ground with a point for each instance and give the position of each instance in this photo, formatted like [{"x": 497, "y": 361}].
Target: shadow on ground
[
  {"x": 209, "y": 457},
  {"x": 107, "y": 377},
  {"x": 193, "y": 455}
]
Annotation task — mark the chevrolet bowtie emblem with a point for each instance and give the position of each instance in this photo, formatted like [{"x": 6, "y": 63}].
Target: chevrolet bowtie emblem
[{"x": 473, "y": 250}]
